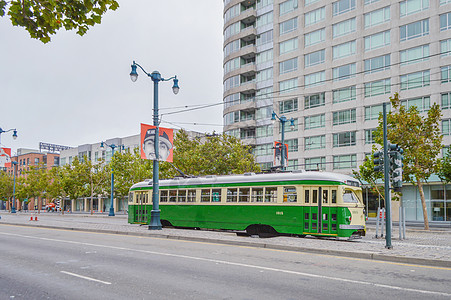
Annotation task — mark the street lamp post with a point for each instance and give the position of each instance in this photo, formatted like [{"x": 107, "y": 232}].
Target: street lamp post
[
  {"x": 282, "y": 120},
  {"x": 3, "y": 131},
  {"x": 155, "y": 223},
  {"x": 112, "y": 146},
  {"x": 13, "y": 209}
]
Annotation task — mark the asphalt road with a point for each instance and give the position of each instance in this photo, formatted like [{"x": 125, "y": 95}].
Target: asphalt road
[{"x": 38, "y": 263}]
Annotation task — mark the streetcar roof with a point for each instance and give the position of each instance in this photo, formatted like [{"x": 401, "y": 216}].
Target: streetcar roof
[{"x": 253, "y": 178}]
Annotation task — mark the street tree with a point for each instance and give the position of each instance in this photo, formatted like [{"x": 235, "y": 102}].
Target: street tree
[
  {"x": 36, "y": 183},
  {"x": 444, "y": 172},
  {"x": 367, "y": 174},
  {"x": 75, "y": 183},
  {"x": 216, "y": 154},
  {"x": 44, "y": 18},
  {"x": 421, "y": 139},
  {"x": 6, "y": 186}
]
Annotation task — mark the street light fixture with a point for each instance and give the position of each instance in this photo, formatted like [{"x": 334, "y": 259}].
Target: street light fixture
[
  {"x": 155, "y": 223},
  {"x": 13, "y": 209},
  {"x": 14, "y": 130},
  {"x": 282, "y": 120},
  {"x": 112, "y": 146}
]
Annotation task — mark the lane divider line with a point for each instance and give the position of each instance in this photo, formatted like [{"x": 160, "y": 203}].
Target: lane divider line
[{"x": 85, "y": 277}]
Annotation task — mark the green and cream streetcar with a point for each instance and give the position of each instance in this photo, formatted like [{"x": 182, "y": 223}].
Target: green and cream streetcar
[{"x": 295, "y": 203}]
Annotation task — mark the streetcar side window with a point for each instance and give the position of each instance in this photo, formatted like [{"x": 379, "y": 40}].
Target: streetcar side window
[
  {"x": 191, "y": 196},
  {"x": 181, "y": 196},
  {"x": 315, "y": 196},
  {"x": 325, "y": 196},
  {"x": 334, "y": 196},
  {"x": 216, "y": 195},
  {"x": 271, "y": 194},
  {"x": 232, "y": 195},
  {"x": 307, "y": 196},
  {"x": 163, "y": 196},
  {"x": 205, "y": 196},
  {"x": 146, "y": 197},
  {"x": 173, "y": 196},
  {"x": 130, "y": 197},
  {"x": 289, "y": 194},
  {"x": 257, "y": 195},
  {"x": 349, "y": 197},
  {"x": 244, "y": 194}
]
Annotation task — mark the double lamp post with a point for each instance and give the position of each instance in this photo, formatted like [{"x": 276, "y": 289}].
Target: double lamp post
[
  {"x": 14, "y": 163},
  {"x": 112, "y": 146},
  {"x": 155, "y": 76}
]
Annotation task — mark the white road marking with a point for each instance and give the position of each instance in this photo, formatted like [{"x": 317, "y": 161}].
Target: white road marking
[
  {"x": 240, "y": 265},
  {"x": 85, "y": 277}
]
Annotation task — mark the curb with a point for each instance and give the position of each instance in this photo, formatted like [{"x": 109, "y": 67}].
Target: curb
[{"x": 360, "y": 255}]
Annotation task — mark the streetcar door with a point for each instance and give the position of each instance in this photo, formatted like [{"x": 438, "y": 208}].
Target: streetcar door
[
  {"x": 311, "y": 217},
  {"x": 141, "y": 212},
  {"x": 325, "y": 210}
]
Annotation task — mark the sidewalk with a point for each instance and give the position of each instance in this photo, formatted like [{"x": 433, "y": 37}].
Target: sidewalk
[{"x": 421, "y": 247}]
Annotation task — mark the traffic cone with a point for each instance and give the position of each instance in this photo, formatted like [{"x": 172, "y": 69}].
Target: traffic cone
[
  {"x": 31, "y": 218},
  {"x": 36, "y": 218}
]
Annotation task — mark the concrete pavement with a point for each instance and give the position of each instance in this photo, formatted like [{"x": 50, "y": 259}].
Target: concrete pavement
[{"x": 421, "y": 247}]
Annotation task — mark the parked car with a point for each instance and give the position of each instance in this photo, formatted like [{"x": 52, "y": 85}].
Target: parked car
[{"x": 51, "y": 207}]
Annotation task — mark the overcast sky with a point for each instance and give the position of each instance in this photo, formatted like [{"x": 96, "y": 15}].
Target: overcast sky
[{"x": 77, "y": 90}]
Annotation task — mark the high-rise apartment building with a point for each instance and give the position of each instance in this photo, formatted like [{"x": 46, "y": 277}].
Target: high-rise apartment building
[{"x": 330, "y": 65}]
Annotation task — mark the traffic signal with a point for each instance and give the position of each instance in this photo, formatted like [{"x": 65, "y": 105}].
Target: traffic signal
[
  {"x": 397, "y": 170},
  {"x": 378, "y": 161}
]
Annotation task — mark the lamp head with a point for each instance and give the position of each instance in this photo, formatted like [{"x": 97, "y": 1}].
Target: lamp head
[
  {"x": 175, "y": 87},
  {"x": 292, "y": 124},
  {"x": 133, "y": 73},
  {"x": 273, "y": 118},
  {"x": 15, "y": 134},
  {"x": 102, "y": 146}
]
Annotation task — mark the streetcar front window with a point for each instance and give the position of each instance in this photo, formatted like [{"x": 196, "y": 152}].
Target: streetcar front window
[{"x": 350, "y": 197}]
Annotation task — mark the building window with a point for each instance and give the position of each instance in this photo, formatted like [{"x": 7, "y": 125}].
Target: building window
[
  {"x": 231, "y": 118},
  {"x": 443, "y": 2},
  {"x": 343, "y": 6},
  {"x": 314, "y": 100},
  {"x": 231, "y": 47},
  {"x": 345, "y": 161},
  {"x": 234, "y": 132},
  {"x": 377, "y": 40},
  {"x": 366, "y": 2},
  {"x": 446, "y": 100},
  {"x": 415, "y": 80},
  {"x": 409, "y": 7},
  {"x": 378, "y": 87},
  {"x": 414, "y": 55},
  {"x": 446, "y": 128},
  {"x": 247, "y": 133},
  {"x": 343, "y": 50},
  {"x": 344, "y": 139},
  {"x": 314, "y": 16},
  {"x": 232, "y": 13},
  {"x": 377, "y": 17},
  {"x": 372, "y": 112},
  {"x": 369, "y": 136},
  {"x": 445, "y": 47},
  {"x": 264, "y": 56},
  {"x": 232, "y": 30},
  {"x": 247, "y": 115},
  {"x": 263, "y": 150},
  {"x": 288, "y": 106},
  {"x": 292, "y": 165},
  {"x": 288, "y": 6},
  {"x": 265, "y": 37},
  {"x": 343, "y": 28},
  {"x": 317, "y": 121},
  {"x": 288, "y": 46},
  {"x": 344, "y": 94},
  {"x": 344, "y": 117},
  {"x": 264, "y": 131},
  {"x": 263, "y": 3},
  {"x": 231, "y": 100},
  {"x": 445, "y": 21},
  {"x": 231, "y": 82},
  {"x": 414, "y": 30},
  {"x": 315, "y": 142},
  {"x": 314, "y": 79},
  {"x": 264, "y": 19},
  {"x": 289, "y": 65},
  {"x": 315, "y": 58},
  {"x": 422, "y": 103},
  {"x": 308, "y": 2},
  {"x": 263, "y": 113},
  {"x": 377, "y": 64},
  {"x": 288, "y": 86},
  {"x": 314, "y": 37},
  {"x": 315, "y": 164},
  {"x": 446, "y": 72},
  {"x": 288, "y": 26},
  {"x": 287, "y": 126},
  {"x": 232, "y": 65},
  {"x": 265, "y": 74},
  {"x": 293, "y": 145},
  {"x": 344, "y": 72}
]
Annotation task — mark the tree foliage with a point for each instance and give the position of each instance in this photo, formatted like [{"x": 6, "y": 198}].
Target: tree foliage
[
  {"x": 421, "y": 139},
  {"x": 366, "y": 174},
  {"x": 6, "y": 186},
  {"x": 43, "y": 18},
  {"x": 213, "y": 155},
  {"x": 444, "y": 172}
]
